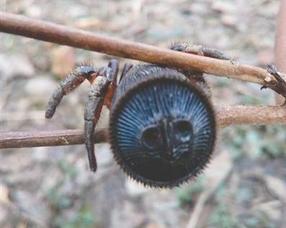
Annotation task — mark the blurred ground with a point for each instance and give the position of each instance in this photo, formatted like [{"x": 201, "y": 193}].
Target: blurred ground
[{"x": 52, "y": 187}]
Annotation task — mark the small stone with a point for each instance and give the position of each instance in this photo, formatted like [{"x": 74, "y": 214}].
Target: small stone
[
  {"x": 15, "y": 66},
  {"x": 77, "y": 10},
  {"x": 39, "y": 154},
  {"x": 40, "y": 86},
  {"x": 223, "y": 7},
  {"x": 276, "y": 186},
  {"x": 89, "y": 22},
  {"x": 4, "y": 194},
  {"x": 34, "y": 11},
  {"x": 272, "y": 209},
  {"x": 198, "y": 8},
  {"x": 229, "y": 20},
  {"x": 155, "y": 225}
]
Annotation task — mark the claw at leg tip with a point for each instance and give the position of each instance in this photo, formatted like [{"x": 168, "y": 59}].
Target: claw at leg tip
[
  {"x": 93, "y": 168},
  {"x": 49, "y": 114}
]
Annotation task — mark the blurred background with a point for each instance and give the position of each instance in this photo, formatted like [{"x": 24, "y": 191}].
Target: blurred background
[{"x": 244, "y": 185}]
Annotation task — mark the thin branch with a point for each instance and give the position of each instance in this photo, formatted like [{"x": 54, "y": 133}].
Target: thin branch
[
  {"x": 227, "y": 115},
  {"x": 251, "y": 115},
  {"x": 46, "y": 138},
  {"x": 45, "y": 31}
]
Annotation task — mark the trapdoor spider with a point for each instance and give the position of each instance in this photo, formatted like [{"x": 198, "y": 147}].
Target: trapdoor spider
[{"x": 162, "y": 124}]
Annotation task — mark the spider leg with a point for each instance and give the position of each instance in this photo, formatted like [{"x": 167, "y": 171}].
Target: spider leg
[
  {"x": 197, "y": 76},
  {"x": 72, "y": 81},
  {"x": 281, "y": 83},
  {"x": 199, "y": 50},
  {"x": 92, "y": 113},
  {"x": 111, "y": 74},
  {"x": 101, "y": 92},
  {"x": 113, "y": 66},
  {"x": 126, "y": 68}
]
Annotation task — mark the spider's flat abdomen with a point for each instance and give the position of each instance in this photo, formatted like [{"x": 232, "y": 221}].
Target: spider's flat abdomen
[{"x": 162, "y": 126}]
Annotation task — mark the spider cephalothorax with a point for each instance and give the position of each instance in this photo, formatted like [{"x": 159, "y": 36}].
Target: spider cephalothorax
[{"x": 162, "y": 125}]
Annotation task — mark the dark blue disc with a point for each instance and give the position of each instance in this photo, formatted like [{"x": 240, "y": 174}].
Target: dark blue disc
[{"x": 163, "y": 131}]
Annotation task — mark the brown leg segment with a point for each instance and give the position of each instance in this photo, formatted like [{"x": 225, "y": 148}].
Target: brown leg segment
[
  {"x": 72, "y": 81},
  {"x": 111, "y": 75},
  {"x": 199, "y": 50},
  {"x": 92, "y": 113},
  {"x": 280, "y": 88},
  {"x": 195, "y": 76},
  {"x": 101, "y": 91},
  {"x": 103, "y": 83},
  {"x": 113, "y": 66}
]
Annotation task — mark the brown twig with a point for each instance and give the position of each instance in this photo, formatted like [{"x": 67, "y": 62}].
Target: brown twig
[
  {"x": 251, "y": 115},
  {"x": 46, "y": 138},
  {"x": 227, "y": 115},
  {"x": 20, "y": 25}
]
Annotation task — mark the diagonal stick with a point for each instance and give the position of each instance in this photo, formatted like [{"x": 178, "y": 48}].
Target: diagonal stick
[{"x": 45, "y": 31}]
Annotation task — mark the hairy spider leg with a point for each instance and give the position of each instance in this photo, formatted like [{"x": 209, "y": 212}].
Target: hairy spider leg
[
  {"x": 71, "y": 82},
  {"x": 91, "y": 115},
  {"x": 100, "y": 88},
  {"x": 199, "y": 50},
  {"x": 126, "y": 68},
  {"x": 280, "y": 87},
  {"x": 100, "y": 80},
  {"x": 113, "y": 66},
  {"x": 193, "y": 75}
]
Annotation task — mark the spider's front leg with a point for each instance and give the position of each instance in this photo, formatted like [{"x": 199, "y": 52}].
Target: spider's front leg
[
  {"x": 71, "y": 82},
  {"x": 91, "y": 115},
  {"x": 101, "y": 92},
  {"x": 103, "y": 82}
]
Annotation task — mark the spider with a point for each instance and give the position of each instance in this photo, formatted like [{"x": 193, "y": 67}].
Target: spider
[{"x": 162, "y": 124}]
